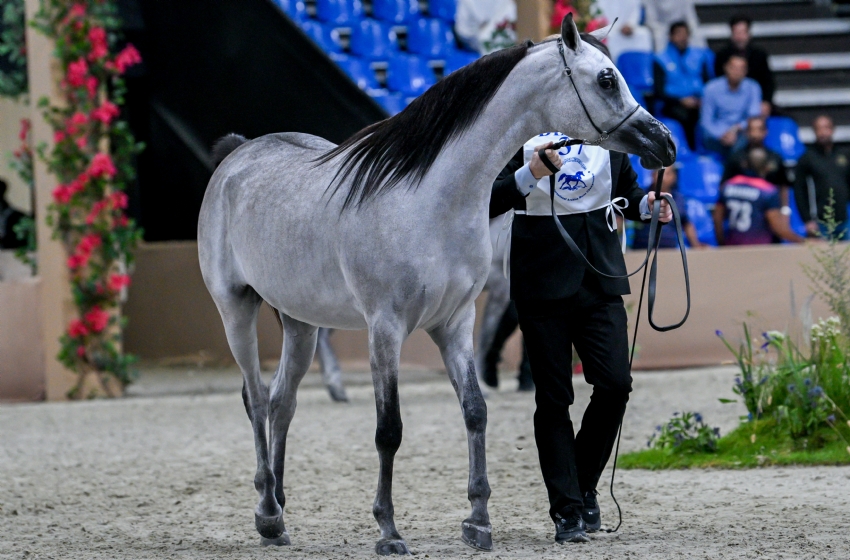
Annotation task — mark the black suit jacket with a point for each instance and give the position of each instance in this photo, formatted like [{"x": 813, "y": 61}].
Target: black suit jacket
[{"x": 542, "y": 265}]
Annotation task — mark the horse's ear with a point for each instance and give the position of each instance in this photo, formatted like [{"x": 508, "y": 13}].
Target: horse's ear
[{"x": 569, "y": 33}]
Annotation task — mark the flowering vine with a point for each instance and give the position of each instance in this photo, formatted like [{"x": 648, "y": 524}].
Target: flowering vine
[
  {"x": 91, "y": 158},
  {"x": 22, "y": 163}
]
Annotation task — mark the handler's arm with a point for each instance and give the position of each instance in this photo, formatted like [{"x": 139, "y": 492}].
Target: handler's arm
[{"x": 505, "y": 194}]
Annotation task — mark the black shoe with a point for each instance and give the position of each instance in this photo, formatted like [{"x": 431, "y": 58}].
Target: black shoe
[
  {"x": 570, "y": 528},
  {"x": 590, "y": 512}
]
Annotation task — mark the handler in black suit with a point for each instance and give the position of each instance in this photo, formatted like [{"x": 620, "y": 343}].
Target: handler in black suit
[{"x": 561, "y": 304}]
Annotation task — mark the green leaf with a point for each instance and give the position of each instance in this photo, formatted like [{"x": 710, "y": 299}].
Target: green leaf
[{"x": 727, "y": 401}]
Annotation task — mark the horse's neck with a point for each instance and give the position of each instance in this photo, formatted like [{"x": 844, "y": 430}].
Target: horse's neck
[{"x": 467, "y": 167}]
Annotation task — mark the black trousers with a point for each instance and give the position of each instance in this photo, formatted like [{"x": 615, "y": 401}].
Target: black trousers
[
  {"x": 507, "y": 326},
  {"x": 596, "y": 324}
]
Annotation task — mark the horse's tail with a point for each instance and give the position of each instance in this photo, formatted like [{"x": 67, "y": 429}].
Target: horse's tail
[{"x": 225, "y": 145}]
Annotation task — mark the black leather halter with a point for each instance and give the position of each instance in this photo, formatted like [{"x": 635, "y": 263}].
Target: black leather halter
[{"x": 603, "y": 134}]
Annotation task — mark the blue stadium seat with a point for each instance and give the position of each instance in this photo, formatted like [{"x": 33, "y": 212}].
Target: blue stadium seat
[
  {"x": 443, "y": 9},
  {"x": 644, "y": 175},
  {"x": 339, "y": 12},
  {"x": 326, "y": 38},
  {"x": 357, "y": 69},
  {"x": 699, "y": 215},
  {"x": 395, "y": 11},
  {"x": 372, "y": 39},
  {"x": 636, "y": 68},
  {"x": 699, "y": 178},
  {"x": 409, "y": 75},
  {"x": 293, "y": 8},
  {"x": 679, "y": 138},
  {"x": 393, "y": 103},
  {"x": 430, "y": 37},
  {"x": 783, "y": 137},
  {"x": 457, "y": 59}
]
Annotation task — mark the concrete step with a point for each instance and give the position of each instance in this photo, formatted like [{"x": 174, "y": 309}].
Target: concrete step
[
  {"x": 789, "y": 37},
  {"x": 842, "y": 134},
  {"x": 721, "y": 11}
]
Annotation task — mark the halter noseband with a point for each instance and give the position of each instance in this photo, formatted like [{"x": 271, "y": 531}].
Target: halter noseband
[{"x": 603, "y": 134}]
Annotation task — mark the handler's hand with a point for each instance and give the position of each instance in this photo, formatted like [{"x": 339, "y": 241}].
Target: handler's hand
[
  {"x": 666, "y": 213},
  {"x": 538, "y": 168}
]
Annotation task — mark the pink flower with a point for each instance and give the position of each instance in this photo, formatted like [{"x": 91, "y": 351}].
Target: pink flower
[
  {"x": 77, "y": 11},
  {"x": 126, "y": 58},
  {"x": 97, "y": 319},
  {"x": 82, "y": 142},
  {"x": 77, "y": 72},
  {"x": 81, "y": 351},
  {"x": 105, "y": 113},
  {"x": 62, "y": 195},
  {"x": 101, "y": 165},
  {"x": 25, "y": 128},
  {"x": 118, "y": 281},
  {"x": 88, "y": 244},
  {"x": 77, "y": 261},
  {"x": 77, "y": 120},
  {"x": 119, "y": 199},
  {"x": 91, "y": 86},
  {"x": 595, "y": 23},
  {"x": 58, "y": 136},
  {"x": 122, "y": 221},
  {"x": 77, "y": 329},
  {"x": 99, "y": 47}
]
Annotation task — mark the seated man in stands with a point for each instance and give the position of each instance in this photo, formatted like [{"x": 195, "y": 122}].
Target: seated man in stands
[
  {"x": 757, "y": 67},
  {"x": 751, "y": 207},
  {"x": 670, "y": 184},
  {"x": 738, "y": 162},
  {"x": 681, "y": 72},
  {"x": 823, "y": 174},
  {"x": 727, "y": 103}
]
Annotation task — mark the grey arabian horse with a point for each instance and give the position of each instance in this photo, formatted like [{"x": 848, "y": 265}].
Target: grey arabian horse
[{"x": 389, "y": 232}]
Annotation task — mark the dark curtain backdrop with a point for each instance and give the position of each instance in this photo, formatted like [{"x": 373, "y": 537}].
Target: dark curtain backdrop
[{"x": 213, "y": 67}]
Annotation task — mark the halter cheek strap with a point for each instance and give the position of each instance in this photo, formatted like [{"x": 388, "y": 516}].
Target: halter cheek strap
[{"x": 603, "y": 134}]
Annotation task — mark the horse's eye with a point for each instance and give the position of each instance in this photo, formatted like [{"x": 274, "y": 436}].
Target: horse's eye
[{"x": 606, "y": 79}]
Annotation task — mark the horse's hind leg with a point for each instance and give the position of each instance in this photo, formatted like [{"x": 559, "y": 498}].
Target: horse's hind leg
[
  {"x": 385, "y": 340},
  {"x": 238, "y": 307},
  {"x": 299, "y": 344},
  {"x": 455, "y": 343},
  {"x": 331, "y": 374}
]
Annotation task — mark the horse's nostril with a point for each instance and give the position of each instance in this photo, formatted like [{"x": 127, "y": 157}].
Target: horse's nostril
[{"x": 671, "y": 149}]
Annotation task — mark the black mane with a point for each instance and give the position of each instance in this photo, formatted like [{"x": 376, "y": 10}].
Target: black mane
[{"x": 407, "y": 144}]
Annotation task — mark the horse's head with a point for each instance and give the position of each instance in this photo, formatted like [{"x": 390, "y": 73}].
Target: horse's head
[{"x": 602, "y": 110}]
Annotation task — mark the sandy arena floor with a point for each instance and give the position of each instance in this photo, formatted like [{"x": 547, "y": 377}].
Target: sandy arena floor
[{"x": 157, "y": 476}]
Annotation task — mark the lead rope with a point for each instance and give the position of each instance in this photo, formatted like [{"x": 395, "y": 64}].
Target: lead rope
[{"x": 651, "y": 249}]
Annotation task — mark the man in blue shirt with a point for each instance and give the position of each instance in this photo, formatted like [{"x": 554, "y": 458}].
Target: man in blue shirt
[
  {"x": 727, "y": 103},
  {"x": 681, "y": 72}
]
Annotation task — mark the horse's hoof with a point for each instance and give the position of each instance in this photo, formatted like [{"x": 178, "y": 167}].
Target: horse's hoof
[
  {"x": 337, "y": 393},
  {"x": 282, "y": 540},
  {"x": 270, "y": 527},
  {"x": 385, "y": 547},
  {"x": 477, "y": 536}
]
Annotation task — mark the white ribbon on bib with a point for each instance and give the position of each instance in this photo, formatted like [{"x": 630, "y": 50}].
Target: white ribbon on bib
[{"x": 611, "y": 210}]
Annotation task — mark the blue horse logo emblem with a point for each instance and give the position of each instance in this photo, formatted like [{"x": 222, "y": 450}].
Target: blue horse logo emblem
[{"x": 573, "y": 184}]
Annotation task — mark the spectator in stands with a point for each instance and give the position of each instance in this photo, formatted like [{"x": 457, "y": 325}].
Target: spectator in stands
[
  {"x": 9, "y": 218},
  {"x": 661, "y": 14},
  {"x": 757, "y": 66},
  {"x": 727, "y": 103},
  {"x": 752, "y": 208},
  {"x": 628, "y": 34},
  {"x": 823, "y": 173},
  {"x": 486, "y": 26},
  {"x": 738, "y": 162},
  {"x": 681, "y": 72},
  {"x": 668, "y": 235}
]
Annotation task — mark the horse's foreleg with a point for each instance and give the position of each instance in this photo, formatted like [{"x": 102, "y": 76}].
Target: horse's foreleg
[
  {"x": 498, "y": 299},
  {"x": 238, "y": 308},
  {"x": 299, "y": 344},
  {"x": 455, "y": 343},
  {"x": 331, "y": 374},
  {"x": 385, "y": 340}
]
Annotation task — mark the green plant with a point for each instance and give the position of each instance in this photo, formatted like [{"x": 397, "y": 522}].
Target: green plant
[
  {"x": 685, "y": 433},
  {"x": 13, "y": 78},
  {"x": 751, "y": 383},
  {"x": 91, "y": 156},
  {"x": 22, "y": 162}
]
